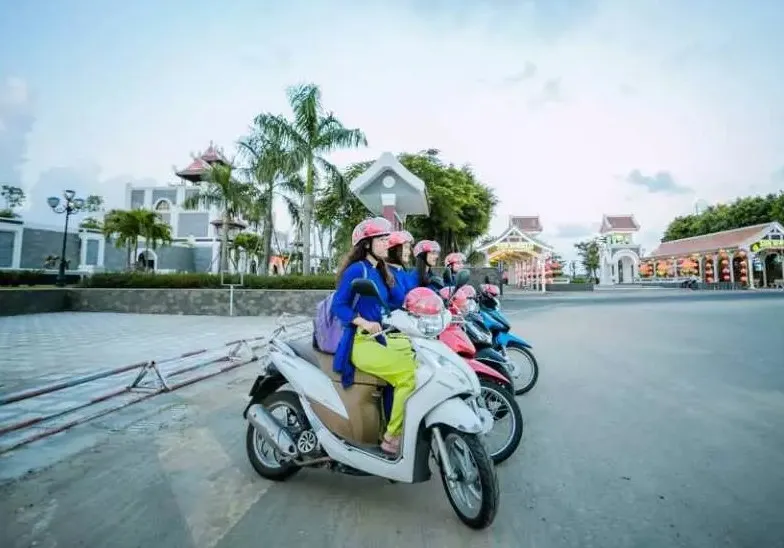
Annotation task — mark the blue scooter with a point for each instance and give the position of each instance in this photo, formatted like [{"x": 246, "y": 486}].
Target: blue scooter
[{"x": 521, "y": 361}]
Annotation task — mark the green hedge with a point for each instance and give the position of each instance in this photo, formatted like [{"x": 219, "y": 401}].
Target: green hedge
[
  {"x": 203, "y": 280},
  {"x": 16, "y": 278}
]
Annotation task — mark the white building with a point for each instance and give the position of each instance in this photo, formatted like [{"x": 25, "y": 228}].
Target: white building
[{"x": 619, "y": 258}]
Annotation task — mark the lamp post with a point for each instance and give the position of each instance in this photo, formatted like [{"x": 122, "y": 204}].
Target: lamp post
[{"x": 69, "y": 206}]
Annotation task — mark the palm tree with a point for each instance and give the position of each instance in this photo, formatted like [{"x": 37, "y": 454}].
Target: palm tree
[
  {"x": 152, "y": 228},
  {"x": 274, "y": 174},
  {"x": 232, "y": 197},
  {"x": 123, "y": 226},
  {"x": 312, "y": 133}
]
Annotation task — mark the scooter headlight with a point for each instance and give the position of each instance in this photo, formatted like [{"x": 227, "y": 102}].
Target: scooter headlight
[{"x": 431, "y": 326}]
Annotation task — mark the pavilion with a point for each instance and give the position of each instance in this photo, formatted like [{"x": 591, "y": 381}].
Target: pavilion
[
  {"x": 524, "y": 258},
  {"x": 726, "y": 256}
]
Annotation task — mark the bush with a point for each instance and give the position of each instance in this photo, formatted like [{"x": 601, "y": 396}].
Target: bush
[
  {"x": 16, "y": 278},
  {"x": 197, "y": 280}
]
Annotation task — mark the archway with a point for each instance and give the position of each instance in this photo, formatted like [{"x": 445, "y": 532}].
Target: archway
[
  {"x": 147, "y": 260},
  {"x": 626, "y": 264},
  {"x": 254, "y": 267},
  {"x": 773, "y": 267},
  {"x": 737, "y": 269}
]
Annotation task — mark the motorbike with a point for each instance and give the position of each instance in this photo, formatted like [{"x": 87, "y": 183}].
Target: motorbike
[
  {"x": 523, "y": 367},
  {"x": 497, "y": 392},
  {"x": 315, "y": 422}
]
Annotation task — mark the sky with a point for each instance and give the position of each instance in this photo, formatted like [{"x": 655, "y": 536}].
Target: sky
[{"x": 569, "y": 109}]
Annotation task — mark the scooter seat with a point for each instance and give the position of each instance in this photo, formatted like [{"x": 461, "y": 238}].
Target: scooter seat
[{"x": 304, "y": 349}]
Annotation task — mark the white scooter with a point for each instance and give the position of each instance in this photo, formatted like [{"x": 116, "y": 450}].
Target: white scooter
[{"x": 315, "y": 422}]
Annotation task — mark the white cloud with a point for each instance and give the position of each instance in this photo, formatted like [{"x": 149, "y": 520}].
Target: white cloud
[{"x": 656, "y": 87}]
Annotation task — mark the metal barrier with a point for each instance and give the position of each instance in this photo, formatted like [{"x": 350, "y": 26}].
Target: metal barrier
[{"x": 161, "y": 383}]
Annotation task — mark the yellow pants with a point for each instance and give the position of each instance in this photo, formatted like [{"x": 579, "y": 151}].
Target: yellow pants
[{"x": 395, "y": 364}]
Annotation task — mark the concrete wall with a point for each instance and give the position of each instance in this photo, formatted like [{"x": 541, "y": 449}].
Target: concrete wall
[
  {"x": 247, "y": 302},
  {"x": 37, "y": 244},
  {"x": 175, "y": 257},
  {"x": 568, "y": 288},
  {"x": 33, "y": 301},
  {"x": 7, "y": 238}
]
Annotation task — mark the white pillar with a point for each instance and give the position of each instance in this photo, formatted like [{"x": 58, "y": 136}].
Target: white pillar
[
  {"x": 16, "y": 258},
  {"x": 101, "y": 251},
  {"x": 82, "y": 250}
]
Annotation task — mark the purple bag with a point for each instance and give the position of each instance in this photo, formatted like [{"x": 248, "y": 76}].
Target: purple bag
[{"x": 328, "y": 329}]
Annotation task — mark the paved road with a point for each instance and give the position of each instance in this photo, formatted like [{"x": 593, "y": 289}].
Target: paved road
[{"x": 654, "y": 424}]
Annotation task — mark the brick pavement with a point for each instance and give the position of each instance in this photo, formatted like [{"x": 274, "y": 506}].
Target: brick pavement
[
  {"x": 39, "y": 349},
  {"x": 45, "y": 348}
]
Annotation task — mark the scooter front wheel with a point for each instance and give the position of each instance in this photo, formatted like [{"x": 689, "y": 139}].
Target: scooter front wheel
[
  {"x": 503, "y": 440},
  {"x": 523, "y": 368},
  {"x": 473, "y": 491}
]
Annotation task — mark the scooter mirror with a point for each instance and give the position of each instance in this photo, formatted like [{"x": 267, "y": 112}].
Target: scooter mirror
[
  {"x": 364, "y": 287},
  {"x": 462, "y": 278}
]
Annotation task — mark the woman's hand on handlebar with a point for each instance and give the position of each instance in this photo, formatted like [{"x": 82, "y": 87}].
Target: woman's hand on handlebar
[{"x": 367, "y": 326}]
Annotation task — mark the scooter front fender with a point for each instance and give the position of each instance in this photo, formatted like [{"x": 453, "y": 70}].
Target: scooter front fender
[
  {"x": 456, "y": 413},
  {"x": 504, "y": 338},
  {"x": 483, "y": 370}
]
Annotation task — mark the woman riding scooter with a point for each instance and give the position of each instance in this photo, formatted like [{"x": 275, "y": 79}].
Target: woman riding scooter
[
  {"x": 386, "y": 357},
  {"x": 453, "y": 263},
  {"x": 426, "y": 253},
  {"x": 399, "y": 255}
]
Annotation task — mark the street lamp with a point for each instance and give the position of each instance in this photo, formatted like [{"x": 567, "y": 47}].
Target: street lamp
[{"x": 69, "y": 206}]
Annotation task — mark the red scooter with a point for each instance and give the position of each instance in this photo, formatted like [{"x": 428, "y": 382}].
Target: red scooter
[{"x": 497, "y": 391}]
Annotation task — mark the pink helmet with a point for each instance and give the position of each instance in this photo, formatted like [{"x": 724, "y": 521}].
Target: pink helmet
[
  {"x": 422, "y": 301},
  {"x": 453, "y": 258},
  {"x": 371, "y": 228},
  {"x": 426, "y": 246},
  {"x": 468, "y": 291},
  {"x": 489, "y": 289},
  {"x": 400, "y": 237}
]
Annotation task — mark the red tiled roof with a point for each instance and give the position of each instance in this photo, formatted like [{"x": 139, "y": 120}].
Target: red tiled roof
[
  {"x": 726, "y": 239},
  {"x": 526, "y": 224},
  {"x": 621, "y": 222},
  {"x": 197, "y": 167},
  {"x": 212, "y": 155}
]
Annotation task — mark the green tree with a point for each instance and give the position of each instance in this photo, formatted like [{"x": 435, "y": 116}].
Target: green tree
[
  {"x": 152, "y": 228},
  {"x": 588, "y": 251},
  {"x": 308, "y": 136},
  {"x": 742, "y": 212},
  {"x": 92, "y": 204},
  {"x": 232, "y": 197},
  {"x": 461, "y": 207},
  {"x": 338, "y": 210},
  {"x": 274, "y": 173},
  {"x": 251, "y": 245},
  {"x": 124, "y": 229},
  {"x": 14, "y": 197}
]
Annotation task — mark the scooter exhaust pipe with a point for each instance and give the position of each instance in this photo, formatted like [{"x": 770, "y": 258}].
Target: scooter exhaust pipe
[{"x": 271, "y": 430}]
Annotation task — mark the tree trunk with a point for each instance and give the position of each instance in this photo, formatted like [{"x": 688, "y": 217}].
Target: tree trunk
[
  {"x": 307, "y": 215},
  {"x": 269, "y": 230},
  {"x": 128, "y": 254},
  {"x": 223, "y": 255}
]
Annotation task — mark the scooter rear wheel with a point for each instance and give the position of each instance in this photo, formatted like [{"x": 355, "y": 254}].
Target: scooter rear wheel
[
  {"x": 266, "y": 460},
  {"x": 474, "y": 494}
]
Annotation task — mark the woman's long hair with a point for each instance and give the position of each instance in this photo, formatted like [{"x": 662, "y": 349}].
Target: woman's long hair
[
  {"x": 423, "y": 270},
  {"x": 358, "y": 253},
  {"x": 396, "y": 256}
]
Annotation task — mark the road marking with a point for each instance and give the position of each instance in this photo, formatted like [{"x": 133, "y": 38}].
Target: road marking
[{"x": 212, "y": 493}]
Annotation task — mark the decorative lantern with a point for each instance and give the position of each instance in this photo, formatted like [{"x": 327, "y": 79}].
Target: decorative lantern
[{"x": 742, "y": 254}]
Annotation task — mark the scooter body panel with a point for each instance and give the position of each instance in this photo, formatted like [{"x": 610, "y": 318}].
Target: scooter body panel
[{"x": 504, "y": 338}]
